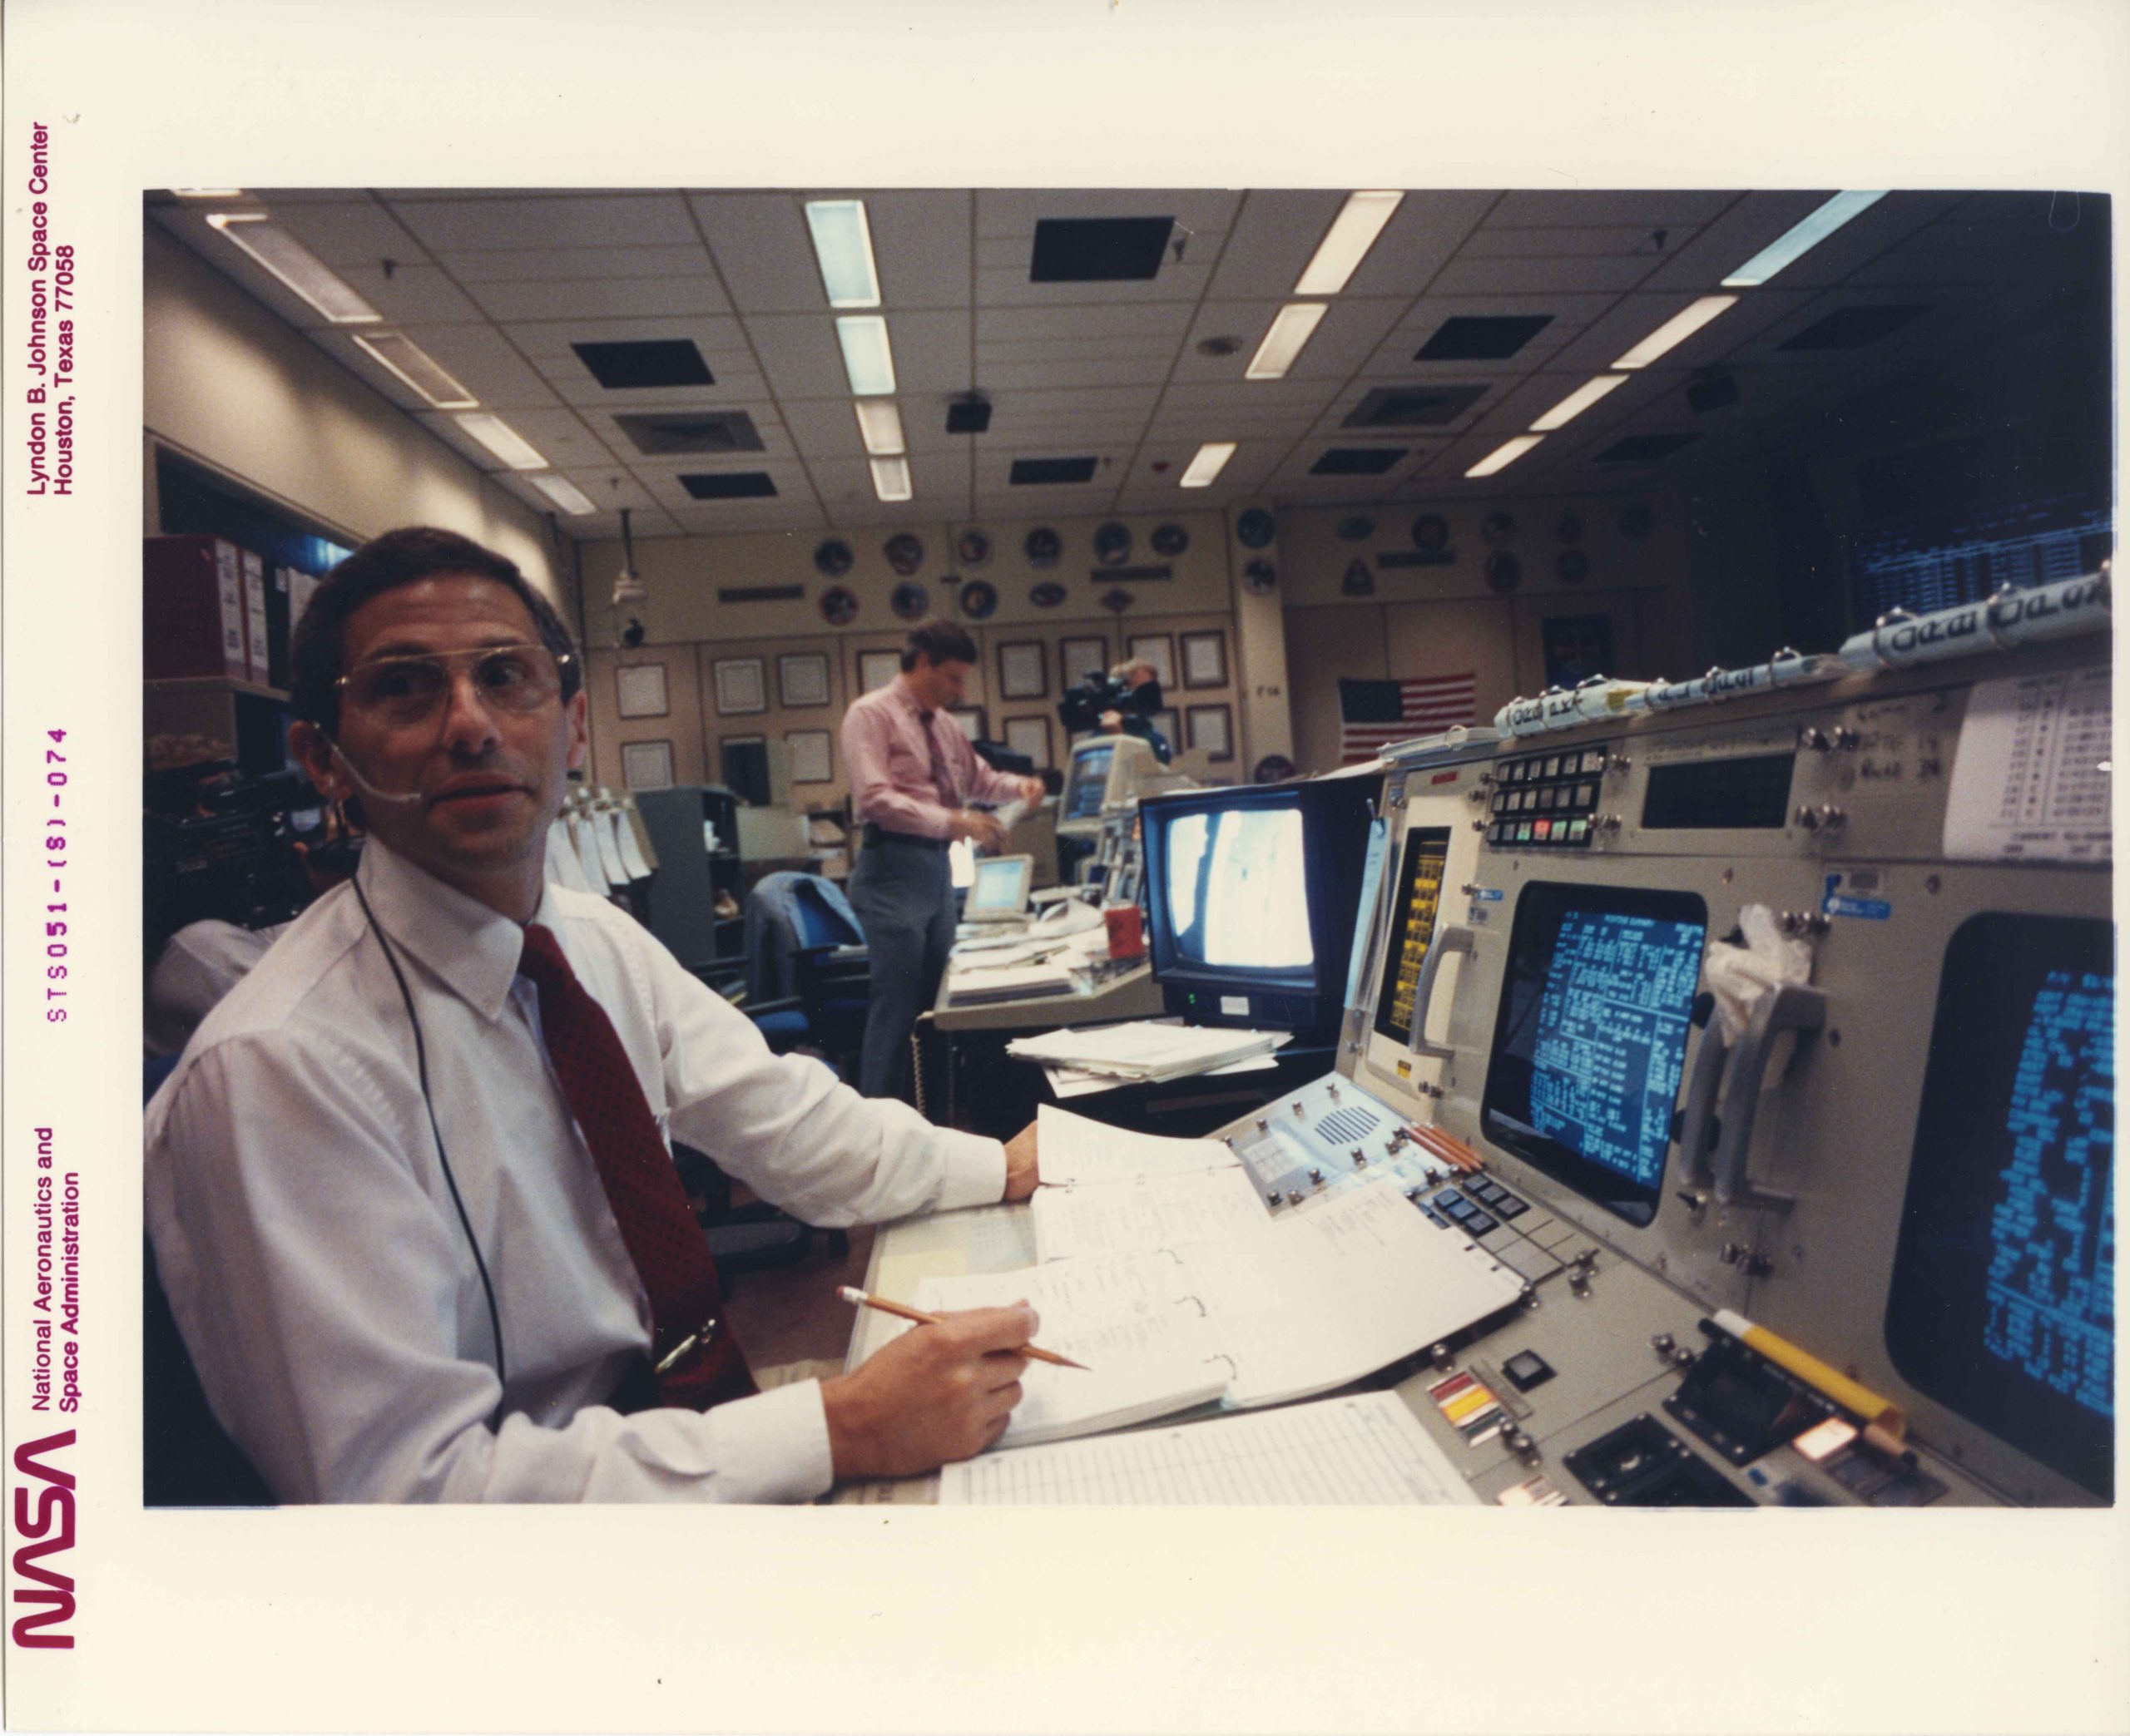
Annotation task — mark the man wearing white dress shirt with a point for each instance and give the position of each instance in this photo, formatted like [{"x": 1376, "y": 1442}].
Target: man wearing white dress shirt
[{"x": 390, "y": 1183}]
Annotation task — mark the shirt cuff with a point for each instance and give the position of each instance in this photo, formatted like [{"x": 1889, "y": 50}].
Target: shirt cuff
[
  {"x": 774, "y": 1446},
  {"x": 975, "y": 1171}
]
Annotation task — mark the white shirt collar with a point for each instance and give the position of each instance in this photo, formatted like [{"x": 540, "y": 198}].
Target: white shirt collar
[{"x": 472, "y": 950}]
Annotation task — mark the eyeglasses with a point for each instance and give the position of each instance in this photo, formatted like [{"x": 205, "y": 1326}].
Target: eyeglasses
[{"x": 512, "y": 678}]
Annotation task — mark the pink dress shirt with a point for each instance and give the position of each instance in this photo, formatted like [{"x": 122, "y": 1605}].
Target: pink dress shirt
[{"x": 891, "y": 780}]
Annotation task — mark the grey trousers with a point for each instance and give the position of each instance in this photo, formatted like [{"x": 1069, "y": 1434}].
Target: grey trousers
[{"x": 904, "y": 899}]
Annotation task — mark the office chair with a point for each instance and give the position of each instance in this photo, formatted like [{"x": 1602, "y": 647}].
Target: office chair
[
  {"x": 803, "y": 986},
  {"x": 803, "y": 944}
]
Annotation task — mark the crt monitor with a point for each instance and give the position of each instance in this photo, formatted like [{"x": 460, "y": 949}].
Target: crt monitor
[
  {"x": 2002, "y": 1304},
  {"x": 998, "y": 890},
  {"x": 1251, "y": 897},
  {"x": 1103, "y": 772},
  {"x": 1590, "y": 1037}
]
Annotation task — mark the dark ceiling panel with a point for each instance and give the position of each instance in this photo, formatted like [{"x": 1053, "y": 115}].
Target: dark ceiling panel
[
  {"x": 1358, "y": 460},
  {"x": 1491, "y": 337},
  {"x": 1030, "y": 471},
  {"x": 1853, "y": 328},
  {"x": 645, "y": 362},
  {"x": 1644, "y": 448},
  {"x": 731, "y": 485},
  {"x": 1099, "y": 250}
]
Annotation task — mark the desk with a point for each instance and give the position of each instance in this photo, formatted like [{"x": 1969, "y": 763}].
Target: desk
[{"x": 948, "y": 1032}]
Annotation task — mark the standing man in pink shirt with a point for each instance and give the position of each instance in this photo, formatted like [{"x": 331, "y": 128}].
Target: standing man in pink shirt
[{"x": 911, "y": 772}]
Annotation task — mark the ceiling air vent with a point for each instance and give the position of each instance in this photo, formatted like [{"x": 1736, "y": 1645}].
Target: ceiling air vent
[
  {"x": 1099, "y": 250},
  {"x": 731, "y": 485},
  {"x": 660, "y": 434},
  {"x": 1491, "y": 338},
  {"x": 1413, "y": 406},
  {"x": 650, "y": 362},
  {"x": 1357, "y": 460},
  {"x": 1027, "y": 472}
]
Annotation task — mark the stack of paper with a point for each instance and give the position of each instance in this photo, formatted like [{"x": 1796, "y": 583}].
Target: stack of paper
[
  {"x": 1013, "y": 983},
  {"x": 1144, "y": 1051},
  {"x": 1160, "y": 1270}
]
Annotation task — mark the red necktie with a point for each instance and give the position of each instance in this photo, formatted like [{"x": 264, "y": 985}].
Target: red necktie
[{"x": 643, "y": 1189}]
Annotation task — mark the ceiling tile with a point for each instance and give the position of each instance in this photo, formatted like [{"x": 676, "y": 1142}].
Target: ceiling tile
[
  {"x": 349, "y": 234},
  {"x": 1644, "y": 209},
  {"x": 618, "y": 220},
  {"x": 613, "y": 297},
  {"x": 563, "y": 265}
]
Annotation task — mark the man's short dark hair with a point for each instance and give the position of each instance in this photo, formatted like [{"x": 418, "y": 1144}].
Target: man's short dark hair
[
  {"x": 937, "y": 641},
  {"x": 318, "y": 650}
]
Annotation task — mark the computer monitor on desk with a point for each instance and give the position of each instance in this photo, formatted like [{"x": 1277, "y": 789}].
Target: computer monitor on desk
[
  {"x": 1251, "y": 897},
  {"x": 999, "y": 892},
  {"x": 1107, "y": 772}
]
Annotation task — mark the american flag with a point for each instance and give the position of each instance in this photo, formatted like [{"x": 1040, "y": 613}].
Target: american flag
[{"x": 1375, "y": 714}]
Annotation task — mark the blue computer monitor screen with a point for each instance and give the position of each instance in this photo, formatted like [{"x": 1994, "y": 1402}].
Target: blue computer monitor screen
[
  {"x": 1590, "y": 1038},
  {"x": 1237, "y": 890},
  {"x": 2002, "y": 1305},
  {"x": 1090, "y": 773}
]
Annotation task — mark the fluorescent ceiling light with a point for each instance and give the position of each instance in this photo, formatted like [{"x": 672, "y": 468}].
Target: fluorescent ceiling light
[
  {"x": 1505, "y": 455},
  {"x": 866, "y": 357},
  {"x": 1202, "y": 470},
  {"x": 1675, "y": 330},
  {"x": 891, "y": 478},
  {"x": 1291, "y": 327},
  {"x": 403, "y": 356},
  {"x": 294, "y": 265},
  {"x": 843, "y": 245},
  {"x": 208, "y": 192},
  {"x": 1800, "y": 238},
  {"x": 1346, "y": 243},
  {"x": 879, "y": 424},
  {"x": 564, "y": 493},
  {"x": 503, "y": 440},
  {"x": 1577, "y": 401}
]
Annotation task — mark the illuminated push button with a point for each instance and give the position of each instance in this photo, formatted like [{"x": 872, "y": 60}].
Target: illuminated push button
[
  {"x": 1523, "y": 832},
  {"x": 1542, "y": 830},
  {"x": 1478, "y": 1223},
  {"x": 1527, "y": 1369}
]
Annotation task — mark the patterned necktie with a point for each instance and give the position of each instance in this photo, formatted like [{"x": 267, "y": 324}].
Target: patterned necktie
[
  {"x": 643, "y": 1189},
  {"x": 942, "y": 779}
]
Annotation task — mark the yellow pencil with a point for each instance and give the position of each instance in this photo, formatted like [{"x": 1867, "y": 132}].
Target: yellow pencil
[{"x": 903, "y": 1312}]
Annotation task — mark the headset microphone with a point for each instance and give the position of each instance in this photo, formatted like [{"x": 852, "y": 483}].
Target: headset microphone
[{"x": 368, "y": 789}]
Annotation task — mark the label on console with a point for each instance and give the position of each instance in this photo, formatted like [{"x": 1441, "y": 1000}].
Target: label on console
[
  {"x": 1836, "y": 902},
  {"x": 2032, "y": 776},
  {"x": 1235, "y": 1007}
]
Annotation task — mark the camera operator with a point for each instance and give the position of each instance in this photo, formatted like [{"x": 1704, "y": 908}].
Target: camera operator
[{"x": 1122, "y": 703}]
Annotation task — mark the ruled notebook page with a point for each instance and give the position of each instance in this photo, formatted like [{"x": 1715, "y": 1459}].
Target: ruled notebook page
[{"x": 1363, "y": 1451}]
